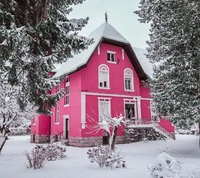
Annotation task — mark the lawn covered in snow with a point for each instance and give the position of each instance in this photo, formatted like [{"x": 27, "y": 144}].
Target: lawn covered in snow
[{"x": 138, "y": 156}]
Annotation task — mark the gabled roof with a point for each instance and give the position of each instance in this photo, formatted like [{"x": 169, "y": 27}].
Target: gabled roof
[{"x": 104, "y": 33}]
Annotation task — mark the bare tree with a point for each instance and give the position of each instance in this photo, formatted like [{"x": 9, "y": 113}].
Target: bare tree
[
  {"x": 10, "y": 113},
  {"x": 108, "y": 124}
]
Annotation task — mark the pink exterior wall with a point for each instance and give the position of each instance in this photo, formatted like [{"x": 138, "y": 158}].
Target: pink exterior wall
[
  {"x": 89, "y": 75},
  {"x": 145, "y": 108},
  {"x": 117, "y": 108},
  {"x": 167, "y": 125},
  {"x": 42, "y": 126},
  {"x": 144, "y": 91}
]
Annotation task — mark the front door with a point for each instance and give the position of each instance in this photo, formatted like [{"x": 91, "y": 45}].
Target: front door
[{"x": 66, "y": 128}]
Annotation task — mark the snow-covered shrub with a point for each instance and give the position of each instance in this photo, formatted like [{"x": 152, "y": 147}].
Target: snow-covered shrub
[
  {"x": 105, "y": 157},
  {"x": 168, "y": 167},
  {"x": 37, "y": 158},
  {"x": 41, "y": 154},
  {"x": 55, "y": 151}
]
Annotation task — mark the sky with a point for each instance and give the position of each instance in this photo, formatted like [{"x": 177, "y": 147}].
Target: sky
[{"x": 120, "y": 16}]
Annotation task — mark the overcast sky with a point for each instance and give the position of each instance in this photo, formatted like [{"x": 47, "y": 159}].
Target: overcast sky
[{"x": 120, "y": 16}]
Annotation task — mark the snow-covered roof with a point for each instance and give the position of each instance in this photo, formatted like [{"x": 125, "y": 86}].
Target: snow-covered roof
[
  {"x": 105, "y": 31},
  {"x": 144, "y": 62}
]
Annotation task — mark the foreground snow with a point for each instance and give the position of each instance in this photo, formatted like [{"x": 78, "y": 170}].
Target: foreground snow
[{"x": 138, "y": 156}]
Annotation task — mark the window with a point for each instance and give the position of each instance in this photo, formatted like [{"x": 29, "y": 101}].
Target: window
[
  {"x": 104, "y": 108},
  {"x": 111, "y": 56},
  {"x": 128, "y": 80},
  {"x": 67, "y": 91},
  {"x": 35, "y": 116},
  {"x": 130, "y": 111},
  {"x": 104, "y": 77},
  {"x": 57, "y": 114}
]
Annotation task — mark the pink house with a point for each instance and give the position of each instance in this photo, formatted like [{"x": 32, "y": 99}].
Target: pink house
[{"x": 107, "y": 78}]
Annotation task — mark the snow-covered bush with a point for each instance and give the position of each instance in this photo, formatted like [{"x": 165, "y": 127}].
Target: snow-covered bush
[
  {"x": 55, "y": 151},
  {"x": 168, "y": 167},
  {"x": 41, "y": 154},
  {"x": 105, "y": 157},
  {"x": 37, "y": 158}
]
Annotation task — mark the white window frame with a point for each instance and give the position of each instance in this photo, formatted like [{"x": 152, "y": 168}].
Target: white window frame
[
  {"x": 122, "y": 53},
  {"x": 35, "y": 117},
  {"x": 128, "y": 74},
  {"x": 67, "y": 85},
  {"x": 130, "y": 101},
  {"x": 103, "y": 68},
  {"x": 57, "y": 115},
  {"x": 113, "y": 53},
  {"x": 154, "y": 116},
  {"x": 104, "y": 100}
]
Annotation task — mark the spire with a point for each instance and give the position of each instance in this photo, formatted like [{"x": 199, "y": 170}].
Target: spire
[{"x": 106, "y": 17}]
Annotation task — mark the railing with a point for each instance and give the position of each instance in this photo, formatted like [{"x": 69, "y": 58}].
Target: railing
[
  {"x": 57, "y": 137},
  {"x": 148, "y": 123}
]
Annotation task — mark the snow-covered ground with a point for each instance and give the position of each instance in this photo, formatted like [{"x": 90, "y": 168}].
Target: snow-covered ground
[{"x": 138, "y": 156}]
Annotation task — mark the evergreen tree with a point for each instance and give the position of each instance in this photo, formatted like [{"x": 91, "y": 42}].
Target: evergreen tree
[
  {"x": 35, "y": 35},
  {"x": 174, "y": 50}
]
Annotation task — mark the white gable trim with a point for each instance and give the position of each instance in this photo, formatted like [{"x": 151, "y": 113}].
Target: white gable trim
[{"x": 83, "y": 110}]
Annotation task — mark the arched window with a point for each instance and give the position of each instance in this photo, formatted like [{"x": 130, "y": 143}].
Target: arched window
[
  {"x": 128, "y": 80},
  {"x": 104, "y": 82},
  {"x": 57, "y": 114}
]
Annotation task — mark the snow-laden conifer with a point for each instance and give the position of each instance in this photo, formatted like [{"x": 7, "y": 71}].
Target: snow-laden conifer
[
  {"x": 35, "y": 36},
  {"x": 174, "y": 50}
]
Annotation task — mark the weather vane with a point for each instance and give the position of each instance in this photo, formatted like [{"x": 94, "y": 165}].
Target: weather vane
[{"x": 106, "y": 17}]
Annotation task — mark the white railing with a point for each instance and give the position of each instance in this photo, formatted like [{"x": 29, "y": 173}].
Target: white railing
[{"x": 148, "y": 123}]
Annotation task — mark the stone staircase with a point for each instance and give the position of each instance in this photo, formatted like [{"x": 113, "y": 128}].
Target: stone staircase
[{"x": 144, "y": 129}]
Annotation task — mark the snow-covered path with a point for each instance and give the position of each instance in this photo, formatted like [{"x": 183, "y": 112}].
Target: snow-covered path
[{"x": 137, "y": 155}]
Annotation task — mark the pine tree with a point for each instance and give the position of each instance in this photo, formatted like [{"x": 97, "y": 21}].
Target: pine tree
[
  {"x": 174, "y": 50},
  {"x": 35, "y": 35}
]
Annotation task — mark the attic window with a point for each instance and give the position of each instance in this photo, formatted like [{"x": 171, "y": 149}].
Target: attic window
[{"x": 111, "y": 56}]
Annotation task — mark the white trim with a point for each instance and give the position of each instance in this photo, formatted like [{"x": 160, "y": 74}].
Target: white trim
[
  {"x": 146, "y": 98},
  {"x": 111, "y": 95},
  {"x": 132, "y": 80},
  {"x": 66, "y": 105},
  {"x": 57, "y": 115},
  {"x": 112, "y": 52},
  {"x": 108, "y": 76},
  {"x": 99, "y": 50},
  {"x": 83, "y": 110},
  {"x": 112, "y": 62},
  {"x": 122, "y": 53},
  {"x": 139, "y": 108},
  {"x": 104, "y": 100}
]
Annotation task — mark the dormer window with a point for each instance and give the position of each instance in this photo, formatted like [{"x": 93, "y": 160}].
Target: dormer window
[
  {"x": 104, "y": 77},
  {"x": 111, "y": 56}
]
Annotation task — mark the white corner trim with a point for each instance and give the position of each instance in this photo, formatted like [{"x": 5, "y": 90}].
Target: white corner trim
[
  {"x": 122, "y": 53},
  {"x": 139, "y": 108},
  {"x": 99, "y": 50},
  {"x": 83, "y": 110}
]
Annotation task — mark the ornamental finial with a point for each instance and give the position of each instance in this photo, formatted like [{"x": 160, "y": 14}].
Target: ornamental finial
[{"x": 106, "y": 17}]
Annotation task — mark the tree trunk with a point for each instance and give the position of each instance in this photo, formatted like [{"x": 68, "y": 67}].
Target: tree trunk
[
  {"x": 3, "y": 137},
  {"x": 113, "y": 138},
  {"x": 199, "y": 133},
  {"x": 2, "y": 142}
]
